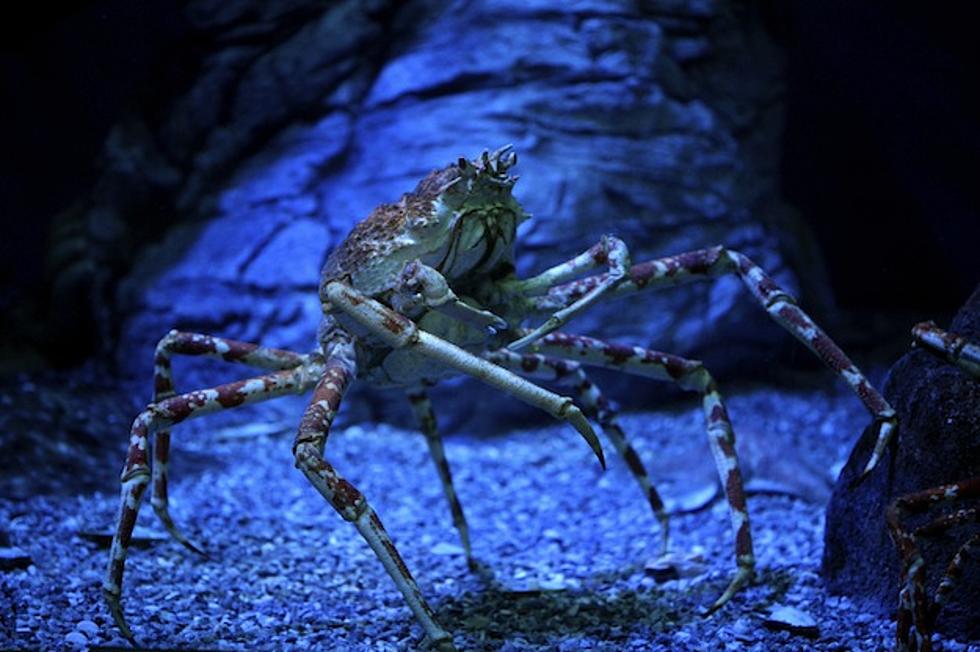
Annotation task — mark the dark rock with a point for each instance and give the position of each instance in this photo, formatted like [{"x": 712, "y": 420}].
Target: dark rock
[
  {"x": 87, "y": 627},
  {"x": 656, "y": 122},
  {"x": 674, "y": 566},
  {"x": 14, "y": 559},
  {"x": 791, "y": 619},
  {"x": 76, "y": 639},
  {"x": 939, "y": 417},
  {"x": 61, "y": 431}
]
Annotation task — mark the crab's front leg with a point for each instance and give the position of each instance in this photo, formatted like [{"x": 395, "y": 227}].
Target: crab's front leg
[
  {"x": 397, "y": 331},
  {"x": 609, "y": 251},
  {"x": 349, "y": 502}
]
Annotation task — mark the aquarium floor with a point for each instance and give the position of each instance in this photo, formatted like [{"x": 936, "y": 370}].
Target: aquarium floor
[{"x": 562, "y": 546}]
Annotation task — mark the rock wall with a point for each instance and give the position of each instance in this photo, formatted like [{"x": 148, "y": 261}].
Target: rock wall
[{"x": 656, "y": 121}]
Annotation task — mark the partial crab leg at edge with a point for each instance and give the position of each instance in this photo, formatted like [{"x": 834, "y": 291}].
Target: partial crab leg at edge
[{"x": 915, "y": 611}]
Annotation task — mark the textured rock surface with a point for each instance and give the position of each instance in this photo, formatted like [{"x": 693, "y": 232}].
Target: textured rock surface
[
  {"x": 939, "y": 414},
  {"x": 658, "y": 122}
]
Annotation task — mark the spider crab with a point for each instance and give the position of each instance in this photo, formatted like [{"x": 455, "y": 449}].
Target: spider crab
[
  {"x": 426, "y": 288},
  {"x": 917, "y": 613}
]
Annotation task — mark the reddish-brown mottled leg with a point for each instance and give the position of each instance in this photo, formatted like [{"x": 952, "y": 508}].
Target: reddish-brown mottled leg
[
  {"x": 422, "y": 407},
  {"x": 711, "y": 263},
  {"x": 343, "y": 496},
  {"x": 609, "y": 251},
  {"x": 691, "y": 375},
  {"x": 954, "y": 571},
  {"x": 916, "y": 613},
  {"x": 595, "y": 406},
  {"x": 166, "y": 413},
  {"x": 951, "y": 347},
  {"x": 196, "y": 344}
]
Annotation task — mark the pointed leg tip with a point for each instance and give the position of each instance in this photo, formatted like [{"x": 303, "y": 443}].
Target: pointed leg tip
[
  {"x": 193, "y": 548},
  {"x": 742, "y": 577},
  {"x": 175, "y": 532},
  {"x": 471, "y": 562},
  {"x": 868, "y": 468},
  {"x": 856, "y": 482},
  {"x": 444, "y": 644},
  {"x": 872, "y": 463},
  {"x": 707, "y": 613},
  {"x": 115, "y": 609},
  {"x": 575, "y": 417}
]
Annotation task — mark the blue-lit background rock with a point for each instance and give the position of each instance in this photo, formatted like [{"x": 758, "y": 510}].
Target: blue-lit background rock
[{"x": 202, "y": 180}]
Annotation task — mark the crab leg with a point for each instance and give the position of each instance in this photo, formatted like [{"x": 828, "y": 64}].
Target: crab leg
[
  {"x": 951, "y": 347},
  {"x": 704, "y": 264},
  {"x": 914, "y": 608},
  {"x": 422, "y": 407},
  {"x": 398, "y": 331},
  {"x": 691, "y": 375},
  {"x": 608, "y": 251},
  {"x": 170, "y": 411},
  {"x": 194, "y": 344},
  {"x": 595, "y": 406},
  {"x": 915, "y": 611},
  {"x": 345, "y": 497}
]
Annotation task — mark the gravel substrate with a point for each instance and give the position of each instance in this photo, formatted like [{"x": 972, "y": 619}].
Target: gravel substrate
[{"x": 562, "y": 546}]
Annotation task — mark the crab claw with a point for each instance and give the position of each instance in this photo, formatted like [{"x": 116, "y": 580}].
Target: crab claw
[
  {"x": 475, "y": 316},
  {"x": 574, "y": 416}
]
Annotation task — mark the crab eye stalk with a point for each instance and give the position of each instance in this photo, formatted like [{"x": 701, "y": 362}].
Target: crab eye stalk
[{"x": 506, "y": 159}]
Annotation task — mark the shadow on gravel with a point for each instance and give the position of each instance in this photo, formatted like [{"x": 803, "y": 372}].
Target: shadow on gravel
[{"x": 601, "y": 611}]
